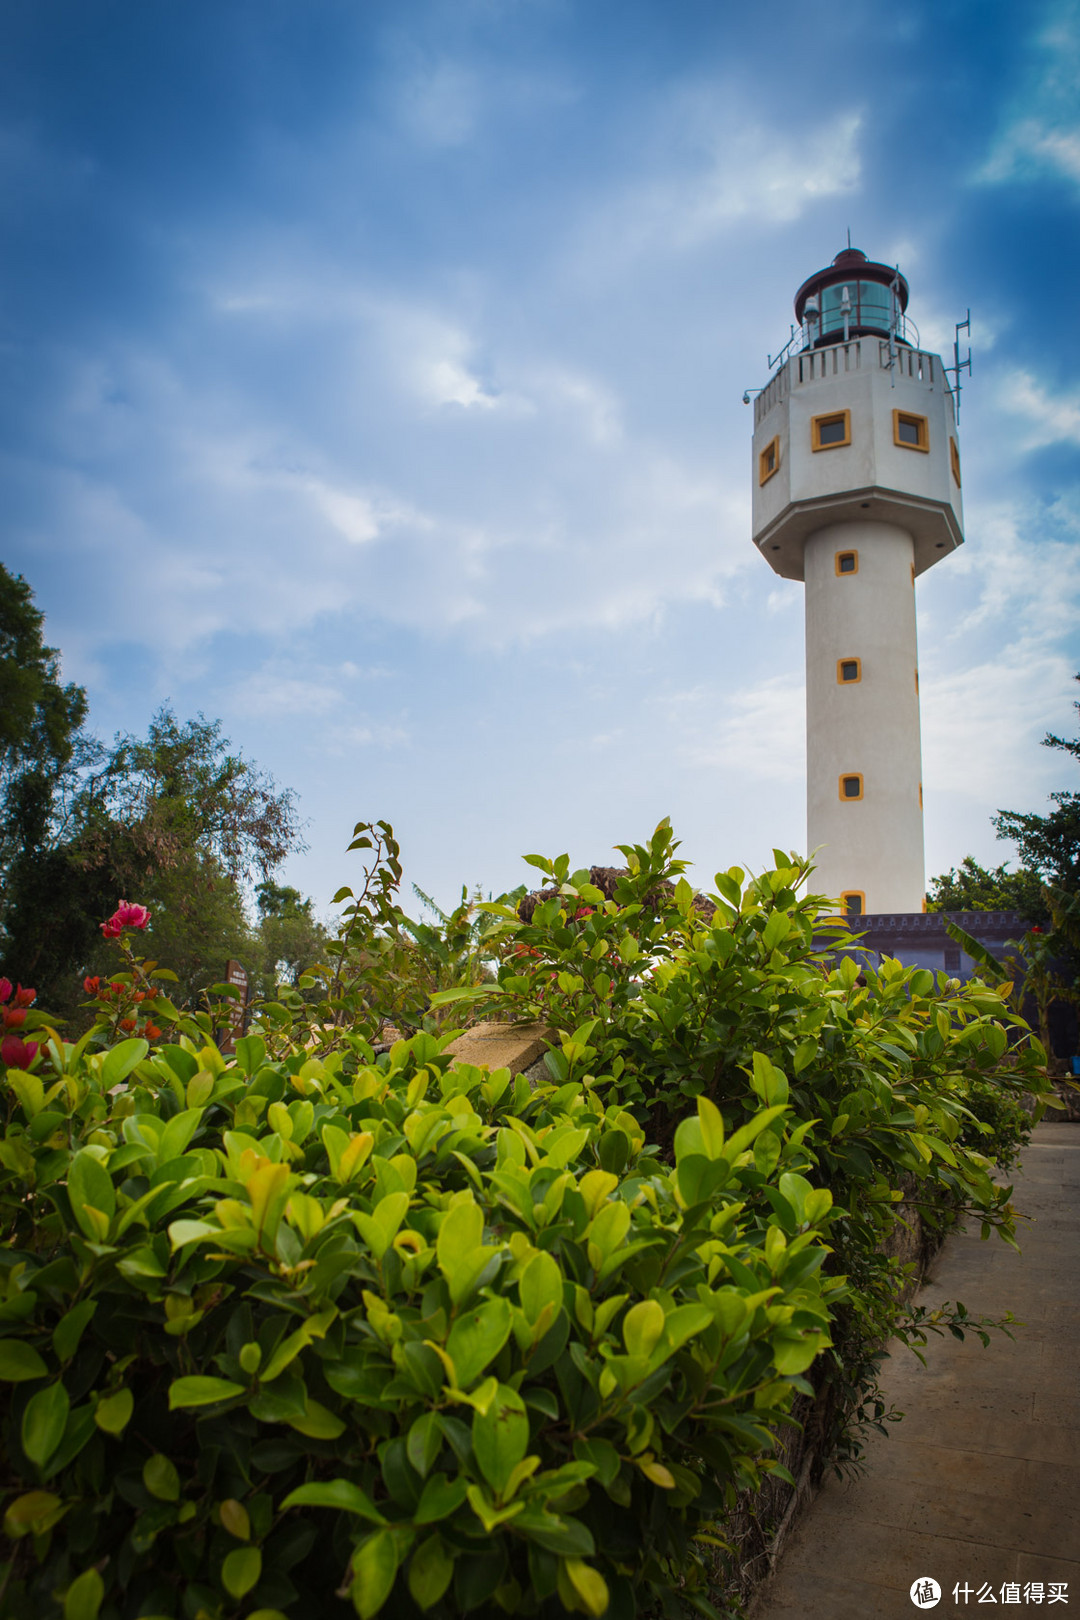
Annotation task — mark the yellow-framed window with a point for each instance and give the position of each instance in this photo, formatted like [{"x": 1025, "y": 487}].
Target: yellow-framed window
[
  {"x": 848, "y": 671},
  {"x": 831, "y": 431},
  {"x": 769, "y": 460},
  {"x": 909, "y": 431},
  {"x": 853, "y": 903},
  {"x": 846, "y": 562},
  {"x": 954, "y": 461},
  {"x": 851, "y": 786}
]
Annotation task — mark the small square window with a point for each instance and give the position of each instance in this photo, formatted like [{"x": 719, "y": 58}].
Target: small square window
[
  {"x": 910, "y": 432},
  {"x": 851, "y": 786},
  {"x": 847, "y": 562},
  {"x": 854, "y": 902},
  {"x": 769, "y": 461},
  {"x": 954, "y": 460},
  {"x": 848, "y": 670},
  {"x": 830, "y": 432}
]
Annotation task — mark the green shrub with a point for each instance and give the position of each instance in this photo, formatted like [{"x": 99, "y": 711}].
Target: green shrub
[
  {"x": 342, "y": 1327},
  {"x": 311, "y": 1330}
]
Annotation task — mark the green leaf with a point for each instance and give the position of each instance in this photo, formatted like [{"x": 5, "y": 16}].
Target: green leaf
[
  {"x": 241, "y": 1571},
  {"x": 440, "y": 1498},
  {"x": 642, "y": 1326},
  {"x": 424, "y": 1443},
  {"x": 500, "y": 1436},
  {"x": 318, "y": 1422},
  {"x": 477, "y": 1337},
  {"x": 91, "y": 1192},
  {"x": 978, "y": 953},
  {"x": 161, "y": 1478},
  {"x": 461, "y": 1231},
  {"x": 43, "y": 1423},
  {"x": 430, "y": 1571},
  {"x": 540, "y": 1284},
  {"x": 32, "y": 1514},
  {"x": 341, "y": 1494},
  {"x": 120, "y": 1061},
  {"x": 374, "y": 1565},
  {"x": 769, "y": 1082},
  {"x": 20, "y": 1361},
  {"x": 712, "y": 1127},
  {"x": 201, "y": 1391},
  {"x": 178, "y": 1133},
  {"x": 250, "y": 1053},
  {"x": 113, "y": 1414},
  {"x": 83, "y": 1598},
  {"x": 589, "y": 1586},
  {"x": 69, "y": 1330}
]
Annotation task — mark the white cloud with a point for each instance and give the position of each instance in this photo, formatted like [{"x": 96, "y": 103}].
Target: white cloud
[
  {"x": 1055, "y": 418},
  {"x": 740, "y": 169},
  {"x": 1041, "y": 132},
  {"x": 757, "y": 734}
]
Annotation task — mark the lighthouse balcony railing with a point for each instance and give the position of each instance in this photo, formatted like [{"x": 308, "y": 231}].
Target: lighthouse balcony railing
[{"x": 816, "y": 365}]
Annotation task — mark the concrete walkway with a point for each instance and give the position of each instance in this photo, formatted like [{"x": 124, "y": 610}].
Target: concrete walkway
[{"x": 980, "y": 1483}]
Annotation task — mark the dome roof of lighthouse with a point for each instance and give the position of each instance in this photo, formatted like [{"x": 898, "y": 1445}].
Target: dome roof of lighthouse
[{"x": 848, "y": 266}]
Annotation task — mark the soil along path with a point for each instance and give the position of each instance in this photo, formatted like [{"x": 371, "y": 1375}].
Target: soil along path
[{"x": 979, "y": 1487}]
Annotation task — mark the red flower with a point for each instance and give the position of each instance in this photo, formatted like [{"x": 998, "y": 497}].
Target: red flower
[
  {"x": 24, "y": 998},
  {"x": 128, "y": 1024},
  {"x": 151, "y": 1031},
  {"x": 126, "y": 915},
  {"x": 1036, "y": 929},
  {"x": 5, "y": 989},
  {"x": 91, "y": 986},
  {"x": 17, "y": 1054},
  {"x": 13, "y": 1017}
]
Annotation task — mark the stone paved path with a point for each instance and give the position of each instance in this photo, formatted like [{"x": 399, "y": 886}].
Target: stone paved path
[{"x": 981, "y": 1481}]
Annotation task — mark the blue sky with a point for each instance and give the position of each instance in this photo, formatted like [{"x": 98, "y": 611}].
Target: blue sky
[{"x": 372, "y": 380}]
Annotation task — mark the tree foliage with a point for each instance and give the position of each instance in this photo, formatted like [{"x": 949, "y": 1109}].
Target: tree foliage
[
  {"x": 177, "y": 817},
  {"x": 1050, "y": 844},
  {"x": 971, "y": 887}
]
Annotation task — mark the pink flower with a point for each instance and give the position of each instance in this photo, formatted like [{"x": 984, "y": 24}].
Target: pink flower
[
  {"x": 25, "y": 998},
  {"x": 126, "y": 915},
  {"x": 5, "y": 989},
  {"x": 17, "y": 1054},
  {"x": 13, "y": 1017}
]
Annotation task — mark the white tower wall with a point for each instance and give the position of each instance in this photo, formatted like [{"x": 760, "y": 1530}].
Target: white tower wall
[
  {"x": 856, "y": 452},
  {"x": 867, "y": 727}
]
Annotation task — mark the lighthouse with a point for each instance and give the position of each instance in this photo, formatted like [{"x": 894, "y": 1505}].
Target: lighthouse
[{"x": 856, "y": 492}]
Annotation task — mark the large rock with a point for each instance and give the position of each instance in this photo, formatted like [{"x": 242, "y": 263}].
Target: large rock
[{"x": 502, "y": 1046}]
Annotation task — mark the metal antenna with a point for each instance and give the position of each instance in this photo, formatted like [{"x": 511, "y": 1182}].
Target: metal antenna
[
  {"x": 959, "y": 365},
  {"x": 894, "y": 322},
  {"x": 849, "y": 238}
]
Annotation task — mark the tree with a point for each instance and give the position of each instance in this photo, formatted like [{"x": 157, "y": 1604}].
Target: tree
[
  {"x": 971, "y": 887},
  {"x": 288, "y": 940},
  {"x": 42, "y": 750},
  {"x": 1050, "y": 844},
  {"x": 175, "y": 820}
]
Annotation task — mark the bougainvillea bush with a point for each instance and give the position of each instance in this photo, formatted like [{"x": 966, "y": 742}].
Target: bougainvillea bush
[{"x": 313, "y": 1330}]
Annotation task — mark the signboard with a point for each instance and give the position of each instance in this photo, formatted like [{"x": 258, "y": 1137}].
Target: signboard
[{"x": 236, "y": 1016}]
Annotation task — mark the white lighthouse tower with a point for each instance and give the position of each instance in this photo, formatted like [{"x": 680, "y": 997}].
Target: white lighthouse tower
[{"x": 856, "y": 473}]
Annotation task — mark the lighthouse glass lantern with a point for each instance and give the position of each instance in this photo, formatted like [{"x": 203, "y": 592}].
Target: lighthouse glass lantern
[{"x": 857, "y": 491}]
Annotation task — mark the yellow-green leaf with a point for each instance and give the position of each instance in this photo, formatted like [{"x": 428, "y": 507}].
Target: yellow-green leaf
[
  {"x": 234, "y": 1518},
  {"x": 241, "y": 1570},
  {"x": 113, "y": 1414}
]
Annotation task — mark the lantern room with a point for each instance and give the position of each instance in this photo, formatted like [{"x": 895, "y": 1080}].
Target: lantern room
[{"x": 854, "y": 297}]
